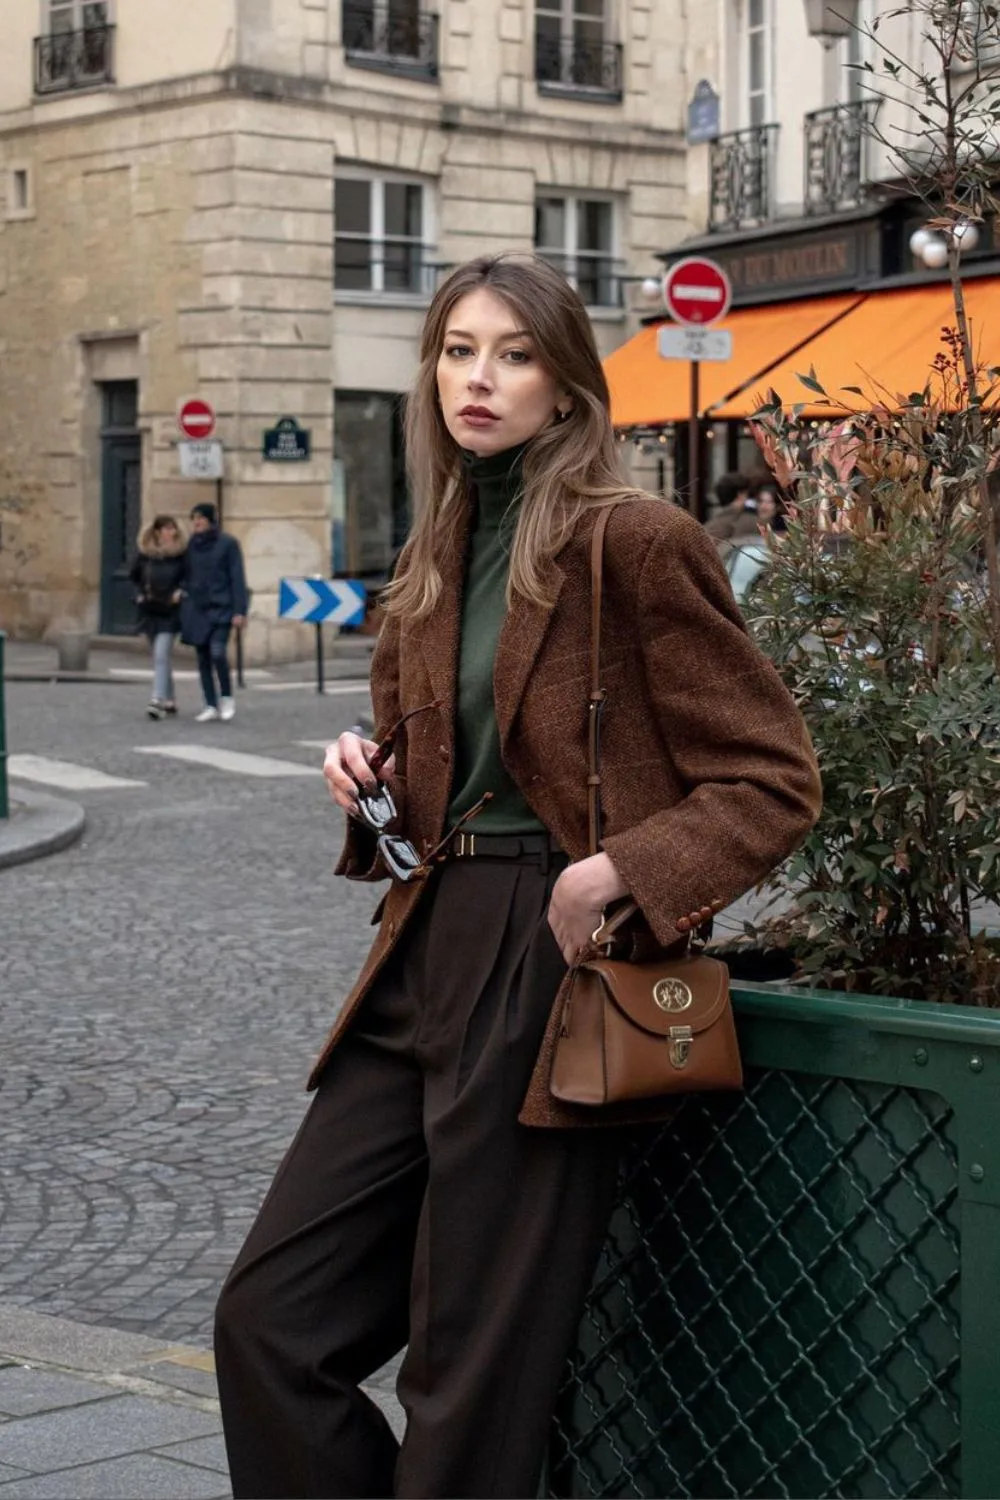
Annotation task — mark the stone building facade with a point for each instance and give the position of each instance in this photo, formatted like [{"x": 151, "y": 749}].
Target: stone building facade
[{"x": 252, "y": 203}]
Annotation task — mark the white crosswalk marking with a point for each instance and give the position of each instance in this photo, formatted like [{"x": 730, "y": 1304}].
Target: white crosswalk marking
[
  {"x": 230, "y": 760},
  {"x": 64, "y": 775},
  {"x": 330, "y": 690}
]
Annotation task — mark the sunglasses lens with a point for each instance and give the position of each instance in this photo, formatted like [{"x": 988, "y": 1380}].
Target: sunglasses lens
[
  {"x": 377, "y": 808},
  {"x": 400, "y": 856}
]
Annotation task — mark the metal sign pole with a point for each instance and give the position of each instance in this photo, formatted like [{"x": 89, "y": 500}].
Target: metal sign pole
[
  {"x": 694, "y": 443},
  {"x": 319, "y": 658}
]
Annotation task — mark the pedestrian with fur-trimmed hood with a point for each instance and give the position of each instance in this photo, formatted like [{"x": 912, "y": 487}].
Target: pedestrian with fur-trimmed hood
[{"x": 158, "y": 576}]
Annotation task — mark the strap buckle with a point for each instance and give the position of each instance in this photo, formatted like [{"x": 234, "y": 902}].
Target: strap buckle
[{"x": 466, "y": 846}]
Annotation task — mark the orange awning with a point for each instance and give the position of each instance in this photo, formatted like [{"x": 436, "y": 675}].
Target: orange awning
[
  {"x": 647, "y": 391},
  {"x": 886, "y": 346}
]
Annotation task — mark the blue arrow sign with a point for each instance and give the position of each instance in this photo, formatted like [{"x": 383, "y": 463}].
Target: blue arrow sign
[{"x": 322, "y": 601}]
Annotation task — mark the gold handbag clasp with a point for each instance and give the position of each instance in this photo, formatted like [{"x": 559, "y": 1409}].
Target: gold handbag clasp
[{"x": 680, "y": 1045}]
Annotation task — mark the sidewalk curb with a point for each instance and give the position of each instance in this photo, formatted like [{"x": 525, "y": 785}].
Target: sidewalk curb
[
  {"x": 126, "y": 1361},
  {"x": 46, "y": 825}
]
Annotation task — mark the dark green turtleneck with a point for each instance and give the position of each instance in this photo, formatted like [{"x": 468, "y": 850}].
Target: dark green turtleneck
[{"x": 478, "y": 767}]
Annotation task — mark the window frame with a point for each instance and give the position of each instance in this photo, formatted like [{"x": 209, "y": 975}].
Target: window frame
[
  {"x": 765, "y": 29},
  {"x": 76, "y": 10},
  {"x": 376, "y": 239},
  {"x": 570, "y": 253}
]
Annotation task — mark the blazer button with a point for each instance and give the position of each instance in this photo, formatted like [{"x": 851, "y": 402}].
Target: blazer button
[
  {"x": 717, "y": 905},
  {"x": 443, "y": 752},
  {"x": 706, "y": 912},
  {"x": 683, "y": 924}
]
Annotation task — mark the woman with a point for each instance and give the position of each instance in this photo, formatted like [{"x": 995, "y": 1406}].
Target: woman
[
  {"x": 158, "y": 575},
  {"x": 414, "y": 1207}
]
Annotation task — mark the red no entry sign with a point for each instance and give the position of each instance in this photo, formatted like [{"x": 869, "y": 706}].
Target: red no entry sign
[
  {"x": 697, "y": 291},
  {"x": 196, "y": 418}
]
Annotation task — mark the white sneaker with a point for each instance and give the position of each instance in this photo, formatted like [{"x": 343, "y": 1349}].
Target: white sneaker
[
  {"x": 227, "y": 709},
  {"x": 207, "y": 715}
]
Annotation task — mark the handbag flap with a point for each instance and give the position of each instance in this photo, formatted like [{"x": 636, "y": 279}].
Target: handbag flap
[{"x": 659, "y": 996}]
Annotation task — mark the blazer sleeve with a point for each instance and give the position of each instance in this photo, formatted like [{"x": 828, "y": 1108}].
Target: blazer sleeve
[
  {"x": 734, "y": 736},
  {"x": 359, "y": 858}
]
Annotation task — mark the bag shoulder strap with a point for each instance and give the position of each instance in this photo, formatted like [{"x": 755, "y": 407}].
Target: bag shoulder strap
[{"x": 598, "y": 695}]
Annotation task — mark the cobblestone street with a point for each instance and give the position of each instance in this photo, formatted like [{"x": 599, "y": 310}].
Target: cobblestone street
[{"x": 165, "y": 984}]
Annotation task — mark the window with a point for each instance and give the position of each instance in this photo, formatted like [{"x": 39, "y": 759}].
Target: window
[
  {"x": 76, "y": 15},
  {"x": 368, "y": 442},
  {"x": 19, "y": 189},
  {"x": 572, "y": 48},
  {"x": 578, "y": 236},
  {"x": 381, "y": 235},
  {"x": 76, "y": 49},
  {"x": 395, "y": 36},
  {"x": 758, "y": 40}
]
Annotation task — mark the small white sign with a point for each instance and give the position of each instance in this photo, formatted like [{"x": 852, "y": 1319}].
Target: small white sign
[
  {"x": 200, "y": 460},
  {"x": 677, "y": 341}
]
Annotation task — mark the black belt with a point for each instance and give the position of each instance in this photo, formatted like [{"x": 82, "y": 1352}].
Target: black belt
[{"x": 534, "y": 847}]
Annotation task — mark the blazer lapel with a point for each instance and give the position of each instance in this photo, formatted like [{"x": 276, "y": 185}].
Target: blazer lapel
[
  {"x": 521, "y": 637},
  {"x": 437, "y": 637}
]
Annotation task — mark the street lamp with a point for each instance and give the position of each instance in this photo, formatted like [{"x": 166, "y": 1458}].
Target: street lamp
[{"x": 829, "y": 20}]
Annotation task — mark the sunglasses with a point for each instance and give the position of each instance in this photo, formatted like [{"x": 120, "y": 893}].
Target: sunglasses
[{"x": 377, "y": 809}]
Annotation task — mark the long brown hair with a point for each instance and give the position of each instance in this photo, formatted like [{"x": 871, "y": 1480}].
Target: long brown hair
[{"x": 568, "y": 466}]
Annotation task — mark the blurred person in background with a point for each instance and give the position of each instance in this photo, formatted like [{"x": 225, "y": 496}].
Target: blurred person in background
[
  {"x": 215, "y": 601},
  {"x": 738, "y": 512},
  {"x": 158, "y": 576}
]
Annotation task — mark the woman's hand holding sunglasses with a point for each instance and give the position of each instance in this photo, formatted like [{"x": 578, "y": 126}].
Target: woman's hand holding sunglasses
[{"x": 351, "y": 763}]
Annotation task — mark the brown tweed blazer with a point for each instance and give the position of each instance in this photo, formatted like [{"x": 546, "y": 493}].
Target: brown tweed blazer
[{"x": 709, "y": 779}]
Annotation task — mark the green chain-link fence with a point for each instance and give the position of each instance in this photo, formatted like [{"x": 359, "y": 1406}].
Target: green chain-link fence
[{"x": 800, "y": 1294}]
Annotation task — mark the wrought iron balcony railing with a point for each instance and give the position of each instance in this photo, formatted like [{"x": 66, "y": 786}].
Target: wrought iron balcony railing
[
  {"x": 740, "y": 167},
  {"x": 598, "y": 278},
  {"x": 835, "y": 157},
  {"x": 386, "y": 266},
  {"x": 74, "y": 59},
  {"x": 392, "y": 36},
  {"x": 573, "y": 65}
]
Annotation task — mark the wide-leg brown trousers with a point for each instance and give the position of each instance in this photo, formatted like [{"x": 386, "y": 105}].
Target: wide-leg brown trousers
[{"x": 413, "y": 1209}]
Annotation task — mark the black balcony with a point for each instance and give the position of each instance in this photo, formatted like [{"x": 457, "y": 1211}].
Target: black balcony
[
  {"x": 67, "y": 60},
  {"x": 391, "y": 36},
  {"x": 572, "y": 65},
  {"x": 835, "y": 157},
  {"x": 386, "y": 267},
  {"x": 740, "y": 166},
  {"x": 597, "y": 277}
]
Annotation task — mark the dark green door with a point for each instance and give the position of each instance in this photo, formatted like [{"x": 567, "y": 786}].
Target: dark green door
[{"x": 121, "y": 506}]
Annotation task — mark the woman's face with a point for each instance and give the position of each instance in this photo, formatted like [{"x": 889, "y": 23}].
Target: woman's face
[
  {"x": 169, "y": 534},
  {"x": 767, "y": 506},
  {"x": 495, "y": 393}
]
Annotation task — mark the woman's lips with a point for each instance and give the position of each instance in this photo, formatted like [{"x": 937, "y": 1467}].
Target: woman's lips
[{"x": 478, "y": 416}]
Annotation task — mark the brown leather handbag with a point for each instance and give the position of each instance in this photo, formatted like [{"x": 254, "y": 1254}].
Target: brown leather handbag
[{"x": 637, "y": 1030}]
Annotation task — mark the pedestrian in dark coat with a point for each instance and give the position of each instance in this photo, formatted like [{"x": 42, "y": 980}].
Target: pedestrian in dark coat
[
  {"x": 158, "y": 576},
  {"x": 215, "y": 601},
  {"x": 415, "y": 1206}
]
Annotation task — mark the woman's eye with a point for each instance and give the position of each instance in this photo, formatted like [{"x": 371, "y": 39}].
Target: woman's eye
[
  {"x": 457, "y": 349},
  {"x": 518, "y": 356}
]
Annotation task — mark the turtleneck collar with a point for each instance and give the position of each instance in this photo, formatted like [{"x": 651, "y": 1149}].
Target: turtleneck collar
[{"x": 498, "y": 480}]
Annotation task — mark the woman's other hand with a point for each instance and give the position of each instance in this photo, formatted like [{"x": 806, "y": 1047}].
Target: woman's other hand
[
  {"x": 346, "y": 768},
  {"x": 578, "y": 899}
]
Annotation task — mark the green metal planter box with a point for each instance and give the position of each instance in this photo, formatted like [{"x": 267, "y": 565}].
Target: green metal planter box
[{"x": 800, "y": 1293}]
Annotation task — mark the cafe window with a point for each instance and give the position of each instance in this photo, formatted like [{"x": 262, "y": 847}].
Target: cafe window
[
  {"x": 381, "y": 234},
  {"x": 577, "y": 234}
]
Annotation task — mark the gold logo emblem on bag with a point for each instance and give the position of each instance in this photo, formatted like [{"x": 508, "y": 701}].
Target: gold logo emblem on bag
[{"x": 672, "y": 994}]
